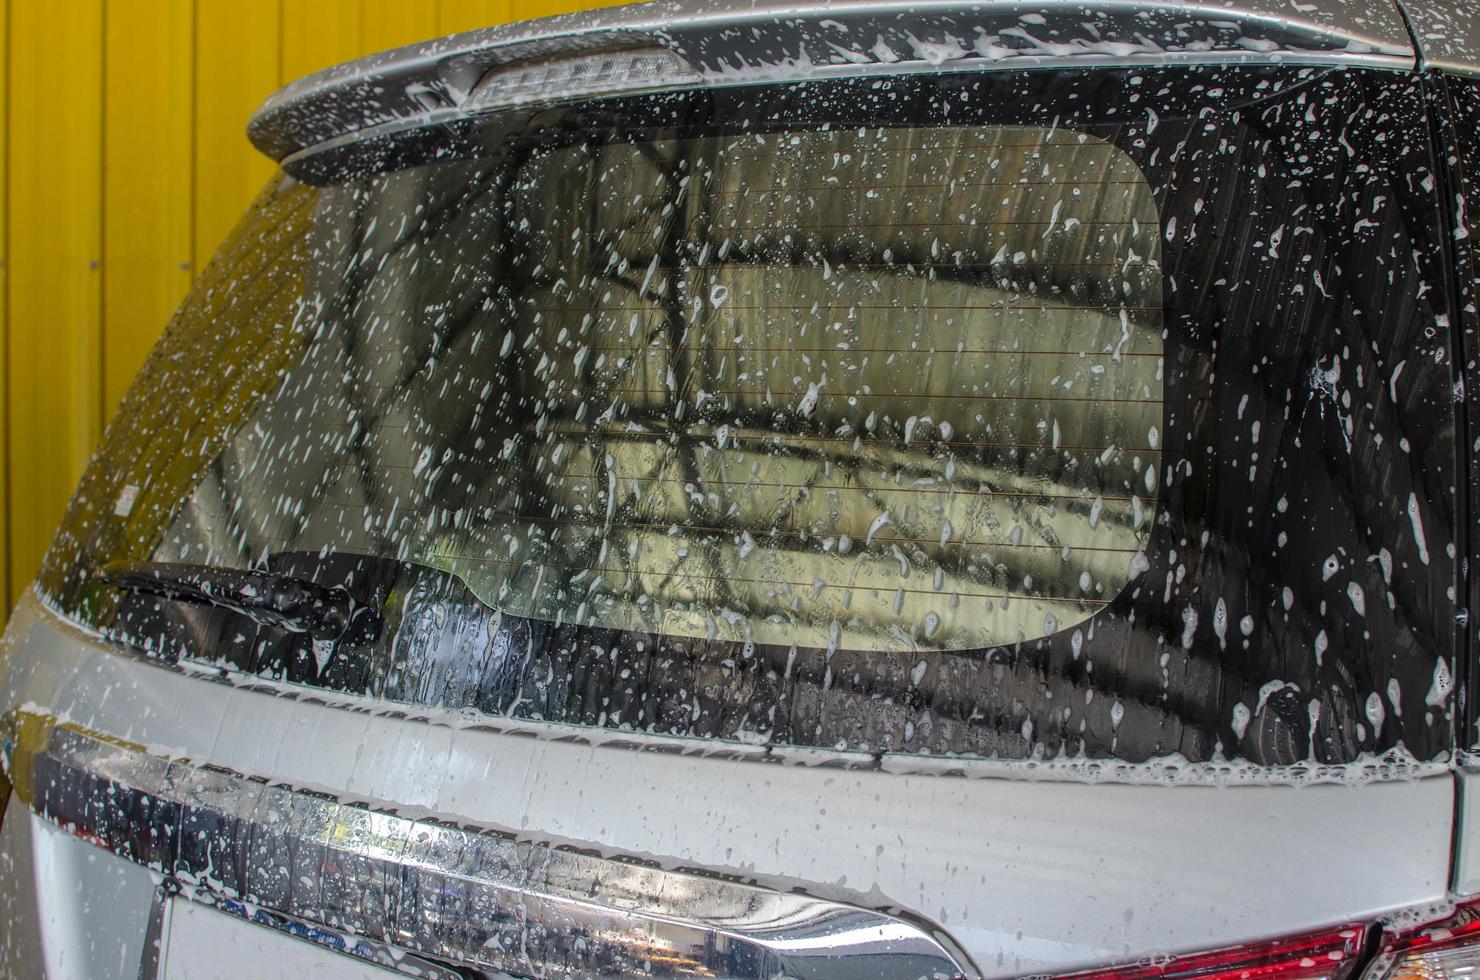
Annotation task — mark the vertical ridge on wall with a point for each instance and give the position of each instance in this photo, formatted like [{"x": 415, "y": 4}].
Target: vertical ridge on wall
[
  {"x": 55, "y": 233},
  {"x": 316, "y": 33},
  {"x": 454, "y": 16},
  {"x": 238, "y": 49},
  {"x": 5, "y": 592},
  {"x": 123, "y": 164},
  {"x": 386, "y": 24}
]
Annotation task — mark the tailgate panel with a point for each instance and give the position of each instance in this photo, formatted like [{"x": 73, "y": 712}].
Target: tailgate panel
[{"x": 1026, "y": 876}]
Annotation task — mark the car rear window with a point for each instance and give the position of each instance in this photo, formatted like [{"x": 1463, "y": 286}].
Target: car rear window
[
  {"x": 1006, "y": 414},
  {"x": 841, "y": 426}
]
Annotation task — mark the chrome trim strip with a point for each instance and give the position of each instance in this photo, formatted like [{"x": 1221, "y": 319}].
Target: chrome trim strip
[
  {"x": 455, "y": 895},
  {"x": 776, "y": 40}
]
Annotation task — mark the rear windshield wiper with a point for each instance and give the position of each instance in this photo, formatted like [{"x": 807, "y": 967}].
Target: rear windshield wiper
[{"x": 270, "y": 598}]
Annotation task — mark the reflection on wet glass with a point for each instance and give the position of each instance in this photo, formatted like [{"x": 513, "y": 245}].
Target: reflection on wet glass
[{"x": 866, "y": 389}]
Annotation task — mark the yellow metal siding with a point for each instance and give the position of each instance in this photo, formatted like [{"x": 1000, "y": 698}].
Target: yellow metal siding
[
  {"x": 123, "y": 163},
  {"x": 54, "y": 223},
  {"x": 148, "y": 218},
  {"x": 238, "y": 53},
  {"x": 386, "y": 24},
  {"x": 4, "y": 314},
  {"x": 466, "y": 15}
]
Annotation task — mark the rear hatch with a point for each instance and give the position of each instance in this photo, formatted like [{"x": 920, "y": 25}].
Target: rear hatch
[{"x": 845, "y": 481}]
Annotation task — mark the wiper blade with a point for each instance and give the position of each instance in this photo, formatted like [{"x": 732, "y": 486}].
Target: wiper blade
[{"x": 270, "y": 598}]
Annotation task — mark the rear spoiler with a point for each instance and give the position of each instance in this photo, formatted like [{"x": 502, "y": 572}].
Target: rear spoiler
[{"x": 714, "y": 45}]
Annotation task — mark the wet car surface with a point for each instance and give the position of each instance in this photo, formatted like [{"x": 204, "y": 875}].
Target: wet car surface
[{"x": 965, "y": 490}]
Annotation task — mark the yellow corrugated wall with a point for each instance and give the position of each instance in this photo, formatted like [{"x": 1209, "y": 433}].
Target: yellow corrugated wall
[{"x": 123, "y": 163}]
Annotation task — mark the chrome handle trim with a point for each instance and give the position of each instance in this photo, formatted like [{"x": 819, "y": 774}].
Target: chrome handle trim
[{"x": 462, "y": 896}]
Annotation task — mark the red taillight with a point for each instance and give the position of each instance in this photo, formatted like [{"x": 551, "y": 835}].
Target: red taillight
[
  {"x": 1445, "y": 950},
  {"x": 1333, "y": 954}
]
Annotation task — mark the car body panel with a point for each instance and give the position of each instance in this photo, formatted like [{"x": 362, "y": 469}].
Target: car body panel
[
  {"x": 20, "y": 928},
  {"x": 1467, "y": 833},
  {"x": 1010, "y": 869},
  {"x": 200, "y": 938},
  {"x": 89, "y": 911},
  {"x": 1029, "y": 871},
  {"x": 1448, "y": 34}
]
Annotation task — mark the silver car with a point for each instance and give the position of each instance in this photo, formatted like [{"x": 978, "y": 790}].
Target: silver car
[{"x": 838, "y": 490}]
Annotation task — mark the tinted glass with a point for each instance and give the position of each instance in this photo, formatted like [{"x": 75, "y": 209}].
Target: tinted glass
[
  {"x": 836, "y": 428},
  {"x": 1014, "y": 414},
  {"x": 1464, "y": 186}
]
